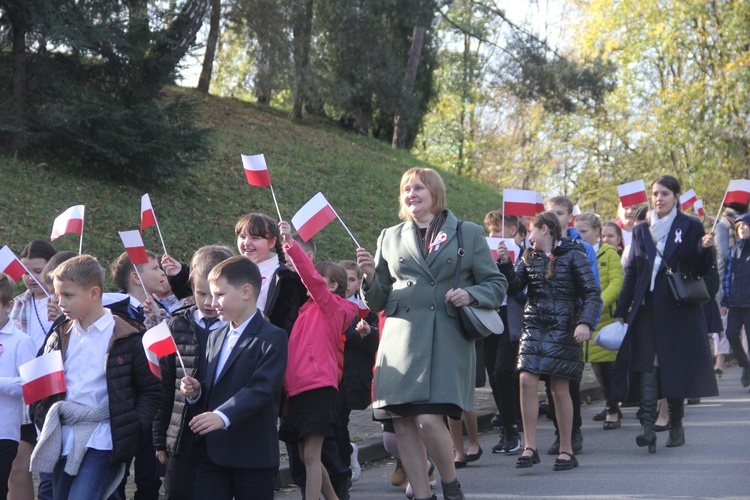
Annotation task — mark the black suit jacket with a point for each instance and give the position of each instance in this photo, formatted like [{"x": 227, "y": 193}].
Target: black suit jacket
[{"x": 248, "y": 392}]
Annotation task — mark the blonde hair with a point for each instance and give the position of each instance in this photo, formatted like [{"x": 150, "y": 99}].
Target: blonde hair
[
  {"x": 7, "y": 286},
  {"x": 434, "y": 184},
  {"x": 592, "y": 220},
  {"x": 83, "y": 270}
]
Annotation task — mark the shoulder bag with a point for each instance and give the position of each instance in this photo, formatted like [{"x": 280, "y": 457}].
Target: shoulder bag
[
  {"x": 688, "y": 289},
  {"x": 475, "y": 322}
]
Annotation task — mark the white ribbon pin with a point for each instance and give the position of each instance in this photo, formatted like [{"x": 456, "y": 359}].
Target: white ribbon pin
[
  {"x": 439, "y": 240},
  {"x": 678, "y": 236}
]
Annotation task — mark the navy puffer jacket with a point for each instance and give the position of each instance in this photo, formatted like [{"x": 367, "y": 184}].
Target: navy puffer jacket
[{"x": 554, "y": 308}]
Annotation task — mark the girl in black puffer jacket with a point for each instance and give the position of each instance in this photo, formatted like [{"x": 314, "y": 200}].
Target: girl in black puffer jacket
[{"x": 560, "y": 313}]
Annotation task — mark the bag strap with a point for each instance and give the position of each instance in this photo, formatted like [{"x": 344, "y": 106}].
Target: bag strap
[
  {"x": 669, "y": 269},
  {"x": 460, "y": 238}
]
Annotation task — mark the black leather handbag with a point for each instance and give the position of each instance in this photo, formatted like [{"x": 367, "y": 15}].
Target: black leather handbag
[{"x": 688, "y": 289}]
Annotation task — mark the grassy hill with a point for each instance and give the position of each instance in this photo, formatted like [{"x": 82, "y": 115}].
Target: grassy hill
[{"x": 358, "y": 175}]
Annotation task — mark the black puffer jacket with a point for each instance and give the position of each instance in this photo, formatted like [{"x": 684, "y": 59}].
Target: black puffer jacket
[
  {"x": 359, "y": 359},
  {"x": 134, "y": 392},
  {"x": 554, "y": 308},
  {"x": 171, "y": 432}
]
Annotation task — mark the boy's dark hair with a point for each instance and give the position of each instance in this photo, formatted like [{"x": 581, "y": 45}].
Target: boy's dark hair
[
  {"x": 122, "y": 267},
  {"x": 550, "y": 220},
  {"x": 206, "y": 258},
  {"x": 335, "y": 273},
  {"x": 740, "y": 208},
  {"x": 53, "y": 262},
  {"x": 262, "y": 226},
  {"x": 38, "y": 249},
  {"x": 350, "y": 265},
  {"x": 563, "y": 202},
  {"x": 307, "y": 246},
  {"x": 7, "y": 287},
  {"x": 238, "y": 271},
  {"x": 83, "y": 270}
]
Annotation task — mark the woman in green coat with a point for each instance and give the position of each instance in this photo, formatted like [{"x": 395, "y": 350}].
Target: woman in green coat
[
  {"x": 611, "y": 277},
  {"x": 425, "y": 368}
]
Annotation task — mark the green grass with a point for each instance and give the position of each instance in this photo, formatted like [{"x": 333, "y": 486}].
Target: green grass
[{"x": 358, "y": 175}]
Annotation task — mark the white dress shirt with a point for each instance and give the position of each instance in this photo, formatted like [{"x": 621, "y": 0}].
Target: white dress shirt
[
  {"x": 267, "y": 268},
  {"x": 16, "y": 348},
  {"x": 86, "y": 378}
]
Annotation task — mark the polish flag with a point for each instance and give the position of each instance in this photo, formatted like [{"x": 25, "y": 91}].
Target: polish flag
[
  {"x": 148, "y": 218},
  {"x": 522, "y": 202},
  {"x": 313, "y": 216},
  {"x": 70, "y": 221},
  {"x": 632, "y": 193},
  {"x": 10, "y": 265},
  {"x": 256, "y": 170},
  {"x": 42, "y": 377},
  {"x": 738, "y": 192},
  {"x": 576, "y": 213},
  {"x": 698, "y": 207},
  {"x": 510, "y": 244},
  {"x": 362, "y": 309},
  {"x": 134, "y": 246},
  {"x": 158, "y": 342},
  {"x": 688, "y": 199}
]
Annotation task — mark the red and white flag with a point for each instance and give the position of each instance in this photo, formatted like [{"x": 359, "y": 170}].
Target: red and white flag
[
  {"x": 313, "y": 216},
  {"x": 134, "y": 246},
  {"x": 42, "y": 377},
  {"x": 738, "y": 191},
  {"x": 698, "y": 207},
  {"x": 158, "y": 342},
  {"x": 632, "y": 193},
  {"x": 256, "y": 170},
  {"x": 688, "y": 199},
  {"x": 362, "y": 309},
  {"x": 10, "y": 265},
  {"x": 70, "y": 221},
  {"x": 148, "y": 218},
  {"x": 576, "y": 213},
  {"x": 510, "y": 244},
  {"x": 522, "y": 202}
]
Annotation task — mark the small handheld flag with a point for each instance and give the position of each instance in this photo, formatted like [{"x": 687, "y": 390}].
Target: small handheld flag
[
  {"x": 158, "y": 342},
  {"x": 70, "y": 221},
  {"x": 42, "y": 377},
  {"x": 522, "y": 202},
  {"x": 632, "y": 193},
  {"x": 148, "y": 218},
  {"x": 10, "y": 265},
  {"x": 257, "y": 174}
]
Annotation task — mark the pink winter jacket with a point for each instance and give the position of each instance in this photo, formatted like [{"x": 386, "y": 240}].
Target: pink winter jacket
[{"x": 315, "y": 344}]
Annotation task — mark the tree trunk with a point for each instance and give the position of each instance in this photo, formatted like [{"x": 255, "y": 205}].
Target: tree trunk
[
  {"x": 19, "y": 83},
  {"x": 213, "y": 37},
  {"x": 404, "y": 111},
  {"x": 302, "y": 32}
]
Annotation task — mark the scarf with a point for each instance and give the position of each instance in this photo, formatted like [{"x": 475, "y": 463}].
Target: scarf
[
  {"x": 660, "y": 228},
  {"x": 433, "y": 229}
]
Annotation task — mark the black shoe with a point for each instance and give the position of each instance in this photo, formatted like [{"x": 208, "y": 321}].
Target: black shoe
[
  {"x": 610, "y": 426},
  {"x": 745, "y": 380},
  {"x": 555, "y": 448},
  {"x": 647, "y": 438},
  {"x": 473, "y": 457},
  {"x": 342, "y": 488},
  {"x": 676, "y": 437},
  {"x": 498, "y": 448},
  {"x": 526, "y": 461},
  {"x": 563, "y": 464},
  {"x": 576, "y": 440},
  {"x": 496, "y": 420},
  {"x": 512, "y": 441},
  {"x": 601, "y": 416},
  {"x": 661, "y": 428},
  {"x": 694, "y": 401},
  {"x": 459, "y": 464}
]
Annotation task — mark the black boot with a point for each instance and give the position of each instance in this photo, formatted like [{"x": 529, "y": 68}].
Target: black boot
[
  {"x": 452, "y": 490},
  {"x": 649, "y": 397},
  {"x": 676, "y": 431}
]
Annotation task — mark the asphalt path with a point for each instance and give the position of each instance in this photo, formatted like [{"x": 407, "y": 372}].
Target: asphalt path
[{"x": 714, "y": 462}]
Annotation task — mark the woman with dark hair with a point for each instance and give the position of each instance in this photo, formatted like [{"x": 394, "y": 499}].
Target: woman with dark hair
[
  {"x": 665, "y": 352},
  {"x": 425, "y": 368},
  {"x": 562, "y": 306}
]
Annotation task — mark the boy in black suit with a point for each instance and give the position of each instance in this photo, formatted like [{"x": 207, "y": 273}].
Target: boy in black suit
[{"x": 241, "y": 392}]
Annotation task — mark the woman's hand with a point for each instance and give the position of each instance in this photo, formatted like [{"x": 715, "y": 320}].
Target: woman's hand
[
  {"x": 503, "y": 255},
  {"x": 708, "y": 240},
  {"x": 171, "y": 267},
  {"x": 367, "y": 264},
  {"x": 286, "y": 232},
  {"x": 619, "y": 320},
  {"x": 458, "y": 297},
  {"x": 582, "y": 333}
]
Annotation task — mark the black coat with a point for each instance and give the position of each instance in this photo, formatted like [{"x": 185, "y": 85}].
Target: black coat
[
  {"x": 359, "y": 360},
  {"x": 286, "y": 294},
  {"x": 134, "y": 392},
  {"x": 680, "y": 332},
  {"x": 554, "y": 308}
]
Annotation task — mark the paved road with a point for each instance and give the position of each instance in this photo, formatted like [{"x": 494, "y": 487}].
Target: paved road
[{"x": 714, "y": 463}]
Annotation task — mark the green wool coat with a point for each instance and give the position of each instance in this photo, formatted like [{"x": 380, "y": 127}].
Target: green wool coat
[
  {"x": 423, "y": 358},
  {"x": 611, "y": 277}
]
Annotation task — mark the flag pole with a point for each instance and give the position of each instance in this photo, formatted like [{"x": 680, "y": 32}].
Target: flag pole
[
  {"x": 80, "y": 241},
  {"x": 44, "y": 289},
  {"x": 179, "y": 356},
  {"x": 347, "y": 229},
  {"x": 277, "y": 203},
  {"x": 160, "y": 236},
  {"x": 503, "y": 222},
  {"x": 721, "y": 207},
  {"x": 141, "y": 281}
]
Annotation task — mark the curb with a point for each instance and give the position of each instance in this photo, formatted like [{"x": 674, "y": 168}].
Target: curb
[{"x": 372, "y": 450}]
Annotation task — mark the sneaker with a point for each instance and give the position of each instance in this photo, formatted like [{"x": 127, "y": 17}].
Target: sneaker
[
  {"x": 512, "y": 441},
  {"x": 398, "y": 477},
  {"x": 498, "y": 448},
  {"x": 355, "y": 467}
]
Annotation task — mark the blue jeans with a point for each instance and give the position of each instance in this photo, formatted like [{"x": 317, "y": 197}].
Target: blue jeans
[{"x": 94, "y": 475}]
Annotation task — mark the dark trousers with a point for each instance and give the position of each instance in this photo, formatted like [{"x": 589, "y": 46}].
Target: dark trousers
[
  {"x": 736, "y": 318},
  {"x": 343, "y": 442},
  {"x": 501, "y": 358},
  {"x": 8, "y": 450},
  {"x": 179, "y": 480},
  {"x": 148, "y": 470},
  {"x": 605, "y": 370},
  {"x": 574, "y": 387},
  {"x": 215, "y": 482}
]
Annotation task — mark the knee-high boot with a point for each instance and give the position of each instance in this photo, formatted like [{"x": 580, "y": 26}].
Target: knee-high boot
[
  {"x": 649, "y": 398},
  {"x": 676, "y": 431}
]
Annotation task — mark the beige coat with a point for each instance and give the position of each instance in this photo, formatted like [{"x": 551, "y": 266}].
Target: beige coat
[{"x": 423, "y": 357}]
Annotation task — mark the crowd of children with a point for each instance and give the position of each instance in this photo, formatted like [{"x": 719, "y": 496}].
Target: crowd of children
[{"x": 275, "y": 347}]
